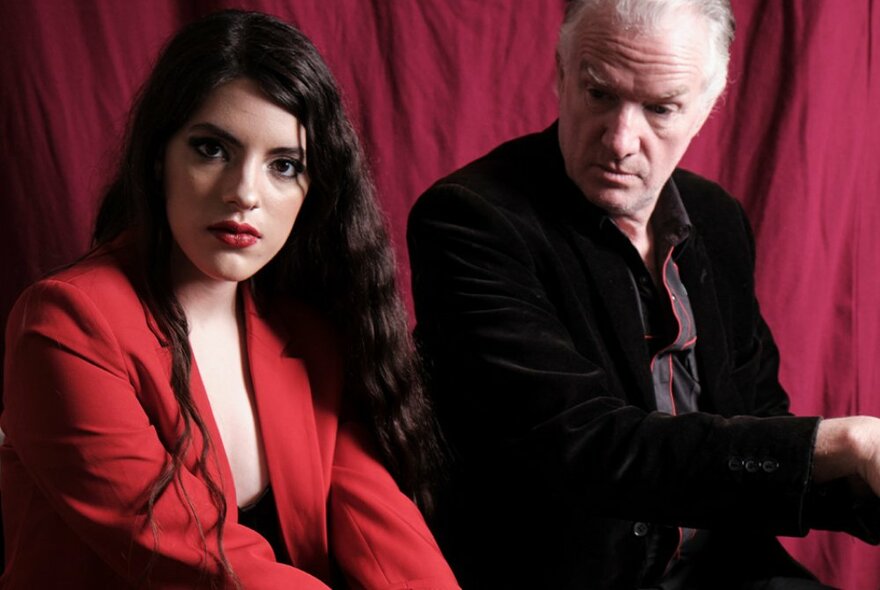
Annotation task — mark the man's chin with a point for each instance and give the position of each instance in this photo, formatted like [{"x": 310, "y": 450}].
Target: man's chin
[{"x": 619, "y": 201}]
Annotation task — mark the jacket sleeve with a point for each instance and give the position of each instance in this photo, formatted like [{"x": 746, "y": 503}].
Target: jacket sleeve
[
  {"x": 515, "y": 393},
  {"x": 75, "y": 423},
  {"x": 377, "y": 534}
]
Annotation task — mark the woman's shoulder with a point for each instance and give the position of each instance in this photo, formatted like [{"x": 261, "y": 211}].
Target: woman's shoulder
[
  {"x": 102, "y": 272},
  {"x": 96, "y": 286}
]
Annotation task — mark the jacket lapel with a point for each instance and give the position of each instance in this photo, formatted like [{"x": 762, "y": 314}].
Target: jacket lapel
[
  {"x": 712, "y": 349},
  {"x": 286, "y": 415},
  {"x": 602, "y": 272},
  {"x": 619, "y": 300}
]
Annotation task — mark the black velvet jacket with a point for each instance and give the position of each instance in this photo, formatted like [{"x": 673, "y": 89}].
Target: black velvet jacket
[{"x": 564, "y": 475}]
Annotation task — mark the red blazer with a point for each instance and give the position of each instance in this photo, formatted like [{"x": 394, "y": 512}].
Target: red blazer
[{"x": 89, "y": 416}]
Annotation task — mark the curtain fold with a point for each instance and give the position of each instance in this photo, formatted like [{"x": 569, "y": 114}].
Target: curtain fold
[{"x": 432, "y": 85}]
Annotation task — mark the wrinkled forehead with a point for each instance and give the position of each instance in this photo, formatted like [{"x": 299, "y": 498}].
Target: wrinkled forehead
[{"x": 678, "y": 41}]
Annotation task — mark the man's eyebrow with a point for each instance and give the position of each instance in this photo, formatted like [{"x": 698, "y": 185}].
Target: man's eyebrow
[
  {"x": 588, "y": 70},
  {"x": 293, "y": 151},
  {"x": 673, "y": 93},
  {"x": 593, "y": 74}
]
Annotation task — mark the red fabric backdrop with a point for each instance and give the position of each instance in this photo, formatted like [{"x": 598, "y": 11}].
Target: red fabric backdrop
[{"x": 433, "y": 84}]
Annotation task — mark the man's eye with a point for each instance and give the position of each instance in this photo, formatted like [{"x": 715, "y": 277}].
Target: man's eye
[
  {"x": 208, "y": 148},
  {"x": 288, "y": 168},
  {"x": 658, "y": 109},
  {"x": 597, "y": 94}
]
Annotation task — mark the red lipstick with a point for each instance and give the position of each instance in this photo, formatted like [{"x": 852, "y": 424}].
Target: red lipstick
[{"x": 234, "y": 234}]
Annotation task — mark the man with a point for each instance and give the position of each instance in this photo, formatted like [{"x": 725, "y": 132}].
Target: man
[{"x": 600, "y": 366}]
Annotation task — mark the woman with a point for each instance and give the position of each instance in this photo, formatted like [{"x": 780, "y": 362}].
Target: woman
[{"x": 210, "y": 364}]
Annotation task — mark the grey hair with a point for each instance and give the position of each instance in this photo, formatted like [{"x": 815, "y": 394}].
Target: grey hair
[{"x": 645, "y": 15}]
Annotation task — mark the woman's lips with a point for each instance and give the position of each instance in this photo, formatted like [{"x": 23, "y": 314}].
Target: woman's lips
[{"x": 234, "y": 234}]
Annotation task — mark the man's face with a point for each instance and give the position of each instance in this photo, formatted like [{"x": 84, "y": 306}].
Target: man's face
[{"x": 629, "y": 104}]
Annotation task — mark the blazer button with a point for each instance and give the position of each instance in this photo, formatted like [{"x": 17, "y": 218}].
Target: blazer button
[
  {"x": 734, "y": 464},
  {"x": 751, "y": 465},
  {"x": 640, "y": 529},
  {"x": 770, "y": 465}
]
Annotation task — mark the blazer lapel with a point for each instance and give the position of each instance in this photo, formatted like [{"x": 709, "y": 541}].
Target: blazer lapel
[
  {"x": 712, "y": 349},
  {"x": 203, "y": 404},
  {"x": 286, "y": 416},
  {"x": 601, "y": 271},
  {"x": 619, "y": 299},
  {"x": 607, "y": 286}
]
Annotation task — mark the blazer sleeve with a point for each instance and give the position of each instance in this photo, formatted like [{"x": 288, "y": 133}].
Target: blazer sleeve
[
  {"x": 74, "y": 419},
  {"x": 515, "y": 390},
  {"x": 377, "y": 534}
]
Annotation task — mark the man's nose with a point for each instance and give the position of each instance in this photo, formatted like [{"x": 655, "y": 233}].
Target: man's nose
[{"x": 621, "y": 133}]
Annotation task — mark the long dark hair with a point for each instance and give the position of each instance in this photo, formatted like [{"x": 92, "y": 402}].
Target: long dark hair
[{"x": 338, "y": 258}]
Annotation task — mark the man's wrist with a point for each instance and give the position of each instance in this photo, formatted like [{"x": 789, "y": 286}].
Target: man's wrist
[{"x": 846, "y": 447}]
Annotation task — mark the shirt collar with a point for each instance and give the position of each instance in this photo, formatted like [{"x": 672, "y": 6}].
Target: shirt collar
[{"x": 670, "y": 221}]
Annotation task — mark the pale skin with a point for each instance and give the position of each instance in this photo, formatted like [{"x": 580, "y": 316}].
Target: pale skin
[
  {"x": 239, "y": 159},
  {"x": 630, "y": 102},
  {"x": 220, "y": 358}
]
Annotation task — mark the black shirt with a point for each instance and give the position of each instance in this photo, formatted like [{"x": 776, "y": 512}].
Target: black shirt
[
  {"x": 670, "y": 337},
  {"x": 262, "y": 516}
]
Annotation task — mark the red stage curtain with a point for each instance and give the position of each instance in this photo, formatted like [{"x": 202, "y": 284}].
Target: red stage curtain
[{"x": 431, "y": 85}]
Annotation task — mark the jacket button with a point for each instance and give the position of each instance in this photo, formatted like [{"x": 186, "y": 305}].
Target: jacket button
[
  {"x": 640, "y": 529},
  {"x": 734, "y": 464},
  {"x": 770, "y": 465},
  {"x": 751, "y": 465}
]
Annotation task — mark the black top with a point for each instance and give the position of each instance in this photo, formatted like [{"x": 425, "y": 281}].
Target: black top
[{"x": 262, "y": 517}]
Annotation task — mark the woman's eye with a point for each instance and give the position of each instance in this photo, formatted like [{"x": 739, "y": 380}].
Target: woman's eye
[
  {"x": 208, "y": 148},
  {"x": 288, "y": 168}
]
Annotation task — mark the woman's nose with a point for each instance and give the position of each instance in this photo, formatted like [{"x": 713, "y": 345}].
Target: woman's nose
[{"x": 244, "y": 189}]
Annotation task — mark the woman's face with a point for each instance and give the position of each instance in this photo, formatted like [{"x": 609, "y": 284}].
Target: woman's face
[{"x": 235, "y": 179}]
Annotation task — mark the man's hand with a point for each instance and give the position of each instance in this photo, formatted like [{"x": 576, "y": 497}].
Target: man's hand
[{"x": 848, "y": 447}]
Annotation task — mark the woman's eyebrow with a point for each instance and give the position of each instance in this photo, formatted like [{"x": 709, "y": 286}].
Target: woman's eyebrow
[
  {"x": 218, "y": 131},
  {"x": 294, "y": 151}
]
